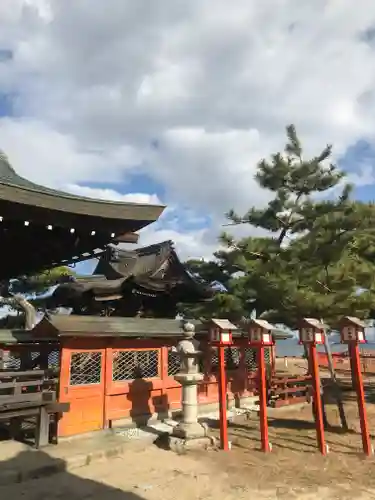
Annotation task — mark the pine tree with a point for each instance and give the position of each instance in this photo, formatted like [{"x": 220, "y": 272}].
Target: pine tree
[
  {"x": 316, "y": 258},
  {"x": 40, "y": 283}
]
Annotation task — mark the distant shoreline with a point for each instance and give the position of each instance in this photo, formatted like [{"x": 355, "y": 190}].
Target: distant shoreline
[
  {"x": 291, "y": 347},
  {"x": 289, "y": 357}
]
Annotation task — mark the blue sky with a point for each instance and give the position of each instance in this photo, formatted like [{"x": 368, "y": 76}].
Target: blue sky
[
  {"x": 6, "y": 103},
  {"x": 137, "y": 183}
]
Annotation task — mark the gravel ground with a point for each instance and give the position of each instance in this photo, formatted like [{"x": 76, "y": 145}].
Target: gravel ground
[
  {"x": 155, "y": 474},
  {"x": 294, "y": 469}
]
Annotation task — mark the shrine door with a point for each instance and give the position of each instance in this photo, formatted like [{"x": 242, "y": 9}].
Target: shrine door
[{"x": 82, "y": 382}]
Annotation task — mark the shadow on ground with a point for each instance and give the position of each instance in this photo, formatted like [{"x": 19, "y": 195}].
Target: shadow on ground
[{"x": 45, "y": 478}]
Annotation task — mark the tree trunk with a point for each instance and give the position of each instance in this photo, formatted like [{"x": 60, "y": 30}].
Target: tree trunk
[
  {"x": 331, "y": 367},
  {"x": 30, "y": 312},
  {"x": 335, "y": 386}
]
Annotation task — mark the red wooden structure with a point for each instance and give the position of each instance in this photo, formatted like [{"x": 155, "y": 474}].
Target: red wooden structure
[
  {"x": 352, "y": 331},
  {"x": 311, "y": 333},
  {"x": 220, "y": 334},
  {"x": 286, "y": 390},
  {"x": 260, "y": 336},
  {"x": 113, "y": 370}
]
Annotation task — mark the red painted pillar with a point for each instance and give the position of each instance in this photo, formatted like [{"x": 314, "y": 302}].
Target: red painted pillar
[
  {"x": 355, "y": 363},
  {"x": 317, "y": 401},
  {"x": 262, "y": 387},
  {"x": 223, "y": 400}
]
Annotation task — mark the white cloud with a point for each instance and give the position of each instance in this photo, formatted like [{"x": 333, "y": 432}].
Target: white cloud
[
  {"x": 95, "y": 83},
  {"x": 111, "y": 194},
  {"x": 189, "y": 244}
]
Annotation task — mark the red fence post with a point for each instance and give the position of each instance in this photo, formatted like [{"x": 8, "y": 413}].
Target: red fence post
[
  {"x": 220, "y": 336},
  {"x": 262, "y": 387},
  {"x": 223, "y": 400},
  {"x": 317, "y": 400},
  {"x": 358, "y": 385}
]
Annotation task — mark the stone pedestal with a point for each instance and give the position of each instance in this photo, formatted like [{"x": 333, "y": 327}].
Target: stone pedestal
[{"x": 189, "y": 433}]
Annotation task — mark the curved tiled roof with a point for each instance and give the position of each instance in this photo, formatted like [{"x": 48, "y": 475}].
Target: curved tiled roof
[
  {"x": 154, "y": 269},
  {"x": 42, "y": 227},
  {"x": 16, "y": 188}
]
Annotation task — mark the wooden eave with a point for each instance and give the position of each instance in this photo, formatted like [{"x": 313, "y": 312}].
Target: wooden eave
[
  {"x": 9, "y": 337},
  {"x": 98, "y": 326},
  {"x": 79, "y": 206},
  {"x": 20, "y": 196},
  {"x": 64, "y": 326}
]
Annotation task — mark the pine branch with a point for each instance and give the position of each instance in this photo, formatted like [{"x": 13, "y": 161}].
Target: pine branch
[{"x": 294, "y": 145}]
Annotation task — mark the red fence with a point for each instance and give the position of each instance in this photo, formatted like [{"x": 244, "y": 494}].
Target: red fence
[
  {"x": 341, "y": 361},
  {"x": 108, "y": 380}
]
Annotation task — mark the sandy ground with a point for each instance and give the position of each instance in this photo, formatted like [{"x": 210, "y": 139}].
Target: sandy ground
[
  {"x": 294, "y": 469},
  {"x": 155, "y": 474}
]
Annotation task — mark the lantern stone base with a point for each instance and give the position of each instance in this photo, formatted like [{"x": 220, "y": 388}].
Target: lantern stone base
[
  {"x": 182, "y": 445},
  {"x": 193, "y": 430}
]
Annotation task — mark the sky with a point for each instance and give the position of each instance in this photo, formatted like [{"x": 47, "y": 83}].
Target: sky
[{"x": 175, "y": 102}]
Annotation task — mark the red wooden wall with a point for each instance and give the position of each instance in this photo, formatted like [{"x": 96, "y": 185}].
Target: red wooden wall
[{"x": 105, "y": 380}]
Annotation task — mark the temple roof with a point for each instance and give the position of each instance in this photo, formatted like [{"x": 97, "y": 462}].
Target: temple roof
[
  {"x": 51, "y": 328},
  {"x": 155, "y": 270},
  {"x": 152, "y": 261},
  {"x": 46, "y": 227},
  {"x": 15, "y": 188}
]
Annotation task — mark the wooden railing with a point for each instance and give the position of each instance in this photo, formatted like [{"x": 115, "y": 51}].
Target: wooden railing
[
  {"x": 289, "y": 390},
  {"x": 30, "y": 393},
  {"x": 26, "y": 386}
]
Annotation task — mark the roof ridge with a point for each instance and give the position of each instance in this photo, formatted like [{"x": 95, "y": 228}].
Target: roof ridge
[{"x": 9, "y": 176}]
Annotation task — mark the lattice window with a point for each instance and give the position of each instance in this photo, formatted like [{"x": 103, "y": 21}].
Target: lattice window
[
  {"x": 54, "y": 359},
  {"x": 251, "y": 358},
  {"x": 35, "y": 361},
  {"x": 32, "y": 360},
  {"x": 12, "y": 361},
  {"x": 85, "y": 368},
  {"x": 231, "y": 358},
  {"x": 174, "y": 362},
  {"x": 267, "y": 356},
  {"x": 130, "y": 365}
]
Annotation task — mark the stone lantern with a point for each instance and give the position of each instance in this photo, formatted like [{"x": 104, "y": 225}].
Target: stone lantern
[
  {"x": 189, "y": 433},
  {"x": 311, "y": 331},
  {"x": 352, "y": 330},
  {"x": 260, "y": 333}
]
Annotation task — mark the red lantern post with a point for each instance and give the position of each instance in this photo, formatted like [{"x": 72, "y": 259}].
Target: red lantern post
[
  {"x": 352, "y": 331},
  {"x": 311, "y": 333},
  {"x": 260, "y": 336},
  {"x": 221, "y": 337}
]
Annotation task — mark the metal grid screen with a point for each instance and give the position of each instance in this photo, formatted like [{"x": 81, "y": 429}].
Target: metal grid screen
[
  {"x": 251, "y": 358},
  {"x": 130, "y": 365},
  {"x": 13, "y": 360},
  {"x": 231, "y": 358},
  {"x": 54, "y": 359},
  {"x": 85, "y": 368},
  {"x": 174, "y": 362}
]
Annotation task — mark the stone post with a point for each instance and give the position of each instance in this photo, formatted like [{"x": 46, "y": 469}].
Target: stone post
[{"x": 189, "y": 433}]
